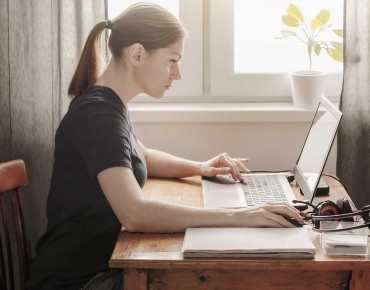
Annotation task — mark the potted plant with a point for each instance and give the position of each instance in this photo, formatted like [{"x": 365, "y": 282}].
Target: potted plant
[{"x": 309, "y": 85}]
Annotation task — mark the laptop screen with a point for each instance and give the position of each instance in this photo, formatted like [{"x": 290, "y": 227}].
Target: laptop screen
[{"x": 315, "y": 152}]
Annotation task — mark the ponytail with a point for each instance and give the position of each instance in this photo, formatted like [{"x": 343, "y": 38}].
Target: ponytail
[
  {"x": 144, "y": 23},
  {"x": 90, "y": 64}
]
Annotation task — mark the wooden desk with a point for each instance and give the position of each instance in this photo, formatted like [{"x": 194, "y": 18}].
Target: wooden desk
[{"x": 154, "y": 261}]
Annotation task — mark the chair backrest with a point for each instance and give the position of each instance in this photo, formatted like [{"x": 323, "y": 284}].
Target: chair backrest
[{"x": 13, "y": 239}]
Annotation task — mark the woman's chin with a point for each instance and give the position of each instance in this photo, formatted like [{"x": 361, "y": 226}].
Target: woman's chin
[{"x": 157, "y": 96}]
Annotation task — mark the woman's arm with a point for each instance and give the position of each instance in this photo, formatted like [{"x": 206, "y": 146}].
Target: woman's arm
[
  {"x": 139, "y": 214},
  {"x": 161, "y": 164}
]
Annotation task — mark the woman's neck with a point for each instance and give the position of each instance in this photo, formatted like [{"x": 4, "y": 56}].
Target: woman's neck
[{"x": 120, "y": 79}]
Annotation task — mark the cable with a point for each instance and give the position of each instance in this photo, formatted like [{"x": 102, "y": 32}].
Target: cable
[
  {"x": 289, "y": 178},
  {"x": 305, "y": 202},
  {"x": 345, "y": 188},
  {"x": 337, "y": 179}
]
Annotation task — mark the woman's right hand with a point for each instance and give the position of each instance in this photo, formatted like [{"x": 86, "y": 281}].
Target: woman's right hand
[
  {"x": 224, "y": 164},
  {"x": 267, "y": 215}
]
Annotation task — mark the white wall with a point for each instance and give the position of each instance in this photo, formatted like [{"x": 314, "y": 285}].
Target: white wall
[{"x": 269, "y": 145}]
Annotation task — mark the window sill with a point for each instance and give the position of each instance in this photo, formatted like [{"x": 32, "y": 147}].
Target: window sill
[{"x": 218, "y": 112}]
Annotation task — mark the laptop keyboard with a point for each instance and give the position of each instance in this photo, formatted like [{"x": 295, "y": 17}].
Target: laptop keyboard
[{"x": 262, "y": 189}]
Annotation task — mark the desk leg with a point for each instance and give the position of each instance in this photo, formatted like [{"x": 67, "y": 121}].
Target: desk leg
[
  {"x": 360, "y": 280},
  {"x": 135, "y": 279}
]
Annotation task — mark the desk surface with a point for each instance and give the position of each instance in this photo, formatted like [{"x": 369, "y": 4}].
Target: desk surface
[{"x": 163, "y": 251}]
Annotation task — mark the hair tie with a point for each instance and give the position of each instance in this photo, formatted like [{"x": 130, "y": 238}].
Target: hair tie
[{"x": 109, "y": 24}]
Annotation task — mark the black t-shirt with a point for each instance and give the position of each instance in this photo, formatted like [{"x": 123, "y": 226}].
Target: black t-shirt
[{"x": 95, "y": 134}]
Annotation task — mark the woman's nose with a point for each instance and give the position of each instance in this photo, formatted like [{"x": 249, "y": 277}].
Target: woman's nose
[{"x": 176, "y": 73}]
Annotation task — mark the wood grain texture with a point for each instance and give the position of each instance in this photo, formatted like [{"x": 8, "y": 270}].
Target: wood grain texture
[
  {"x": 234, "y": 279},
  {"x": 353, "y": 163},
  {"x": 12, "y": 175},
  {"x": 135, "y": 279},
  {"x": 360, "y": 280}
]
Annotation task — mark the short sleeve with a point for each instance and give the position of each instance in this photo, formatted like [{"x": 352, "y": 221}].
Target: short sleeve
[{"x": 105, "y": 139}]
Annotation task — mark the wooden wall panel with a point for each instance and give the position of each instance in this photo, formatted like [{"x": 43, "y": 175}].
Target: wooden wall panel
[
  {"x": 5, "y": 146},
  {"x": 30, "y": 58},
  {"x": 353, "y": 166},
  {"x": 37, "y": 63}
]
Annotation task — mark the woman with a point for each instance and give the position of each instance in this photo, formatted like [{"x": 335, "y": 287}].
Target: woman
[{"x": 100, "y": 166}]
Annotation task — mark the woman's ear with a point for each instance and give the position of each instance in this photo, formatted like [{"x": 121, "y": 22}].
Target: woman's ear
[{"x": 137, "y": 54}]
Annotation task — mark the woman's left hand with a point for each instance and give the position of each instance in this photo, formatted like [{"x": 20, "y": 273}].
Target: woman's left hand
[{"x": 224, "y": 164}]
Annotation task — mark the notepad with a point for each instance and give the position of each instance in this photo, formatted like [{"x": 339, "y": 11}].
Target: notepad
[
  {"x": 346, "y": 242},
  {"x": 248, "y": 242},
  {"x": 345, "y": 245}
]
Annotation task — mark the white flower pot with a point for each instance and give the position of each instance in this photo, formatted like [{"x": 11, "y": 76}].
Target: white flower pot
[{"x": 307, "y": 87}]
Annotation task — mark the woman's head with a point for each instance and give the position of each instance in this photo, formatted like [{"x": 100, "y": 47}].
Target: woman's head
[{"x": 147, "y": 24}]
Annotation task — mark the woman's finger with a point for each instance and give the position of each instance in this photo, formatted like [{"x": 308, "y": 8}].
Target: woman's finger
[
  {"x": 226, "y": 160},
  {"x": 240, "y": 163},
  {"x": 268, "y": 219},
  {"x": 283, "y": 209}
]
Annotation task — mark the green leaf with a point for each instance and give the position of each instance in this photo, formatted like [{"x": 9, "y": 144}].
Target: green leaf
[
  {"x": 324, "y": 16},
  {"x": 321, "y": 19},
  {"x": 316, "y": 23},
  {"x": 290, "y": 21},
  {"x": 294, "y": 12},
  {"x": 338, "y": 32},
  {"x": 336, "y": 54},
  {"x": 337, "y": 45},
  {"x": 317, "y": 48},
  {"x": 287, "y": 33}
]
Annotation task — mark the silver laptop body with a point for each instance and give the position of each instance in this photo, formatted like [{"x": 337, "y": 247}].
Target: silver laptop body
[{"x": 223, "y": 192}]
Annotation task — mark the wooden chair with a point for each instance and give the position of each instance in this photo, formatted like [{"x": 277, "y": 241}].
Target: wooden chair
[{"x": 14, "y": 242}]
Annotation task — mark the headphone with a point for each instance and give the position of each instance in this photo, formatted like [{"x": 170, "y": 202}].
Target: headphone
[{"x": 331, "y": 211}]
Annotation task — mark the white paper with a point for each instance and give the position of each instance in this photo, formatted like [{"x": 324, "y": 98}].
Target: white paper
[{"x": 247, "y": 240}]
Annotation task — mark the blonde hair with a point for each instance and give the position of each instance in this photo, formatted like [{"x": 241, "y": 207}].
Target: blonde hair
[{"x": 148, "y": 24}]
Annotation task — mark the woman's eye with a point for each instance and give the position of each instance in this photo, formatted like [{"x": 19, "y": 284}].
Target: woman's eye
[{"x": 174, "y": 60}]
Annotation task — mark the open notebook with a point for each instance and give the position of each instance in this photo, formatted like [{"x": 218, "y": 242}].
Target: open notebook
[{"x": 248, "y": 242}]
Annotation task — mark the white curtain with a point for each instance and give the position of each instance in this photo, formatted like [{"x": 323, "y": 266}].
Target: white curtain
[
  {"x": 40, "y": 44},
  {"x": 353, "y": 163}
]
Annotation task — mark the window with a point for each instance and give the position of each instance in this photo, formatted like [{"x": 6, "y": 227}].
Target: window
[{"x": 233, "y": 53}]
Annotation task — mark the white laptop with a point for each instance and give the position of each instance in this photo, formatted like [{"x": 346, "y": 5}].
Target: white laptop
[{"x": 222, "y": 191}]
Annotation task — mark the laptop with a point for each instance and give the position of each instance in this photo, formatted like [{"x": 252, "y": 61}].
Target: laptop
[{"x": 223, "y": 192}]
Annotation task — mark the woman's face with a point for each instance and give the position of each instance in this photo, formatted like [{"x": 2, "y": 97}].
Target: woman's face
[{"x": 160, "y": 69}]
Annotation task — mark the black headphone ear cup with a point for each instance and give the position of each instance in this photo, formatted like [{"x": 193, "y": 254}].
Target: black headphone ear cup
[
  {"x": 326, "y": 207},
  {"x": 345, "y": 207}
]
